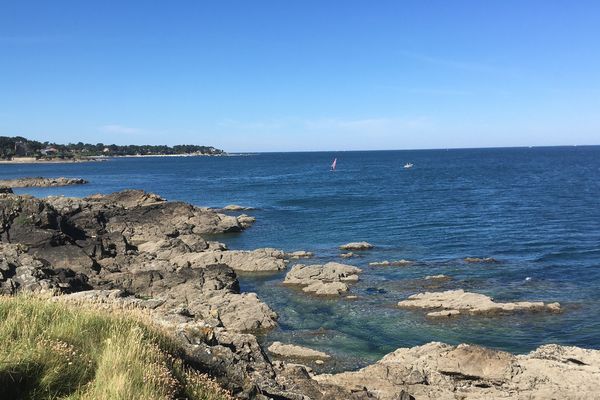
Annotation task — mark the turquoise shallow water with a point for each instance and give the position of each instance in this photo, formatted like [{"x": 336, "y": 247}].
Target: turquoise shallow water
[{"x": 536, "y": 210}]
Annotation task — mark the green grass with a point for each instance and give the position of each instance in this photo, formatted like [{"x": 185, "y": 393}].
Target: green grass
[{"x": 51, "y": 350}]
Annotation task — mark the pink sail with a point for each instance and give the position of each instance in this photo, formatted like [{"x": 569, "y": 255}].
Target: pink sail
[{"x": 333, "y": 164}]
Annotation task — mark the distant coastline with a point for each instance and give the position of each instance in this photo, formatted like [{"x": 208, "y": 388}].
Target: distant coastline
[
  {"x": 33, "y": 160},
  {"x": 18, "y": 149}
]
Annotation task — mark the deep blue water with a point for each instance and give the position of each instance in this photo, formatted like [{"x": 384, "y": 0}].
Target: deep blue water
[{"x": 536, "y": 210}]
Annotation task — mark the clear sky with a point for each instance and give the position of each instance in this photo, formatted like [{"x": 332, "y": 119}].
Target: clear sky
[{"x": 302, "y": 75}]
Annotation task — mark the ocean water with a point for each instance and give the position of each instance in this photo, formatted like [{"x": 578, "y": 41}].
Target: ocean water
[{"x": 535, "y": 210}]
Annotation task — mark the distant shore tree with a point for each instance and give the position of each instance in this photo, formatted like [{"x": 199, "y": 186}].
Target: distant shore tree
[{"x": 18, "y": 146}]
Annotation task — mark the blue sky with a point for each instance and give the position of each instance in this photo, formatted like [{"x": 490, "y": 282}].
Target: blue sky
[{"x": 302, "y": 75}]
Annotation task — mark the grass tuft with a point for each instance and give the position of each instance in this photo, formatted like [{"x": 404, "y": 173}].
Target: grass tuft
[{"x": 53, "y": 350}]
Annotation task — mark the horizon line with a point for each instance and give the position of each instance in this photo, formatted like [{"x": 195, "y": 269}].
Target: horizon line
[{"x": 416, "y": 149}]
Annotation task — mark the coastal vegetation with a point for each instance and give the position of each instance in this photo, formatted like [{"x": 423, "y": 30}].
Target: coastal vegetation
[
  {"x": 56, "y": 350},
  {"x": 17, "y": 146}
]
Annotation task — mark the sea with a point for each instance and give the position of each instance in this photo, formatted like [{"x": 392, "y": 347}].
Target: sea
[{"x": 534, "y": 210}]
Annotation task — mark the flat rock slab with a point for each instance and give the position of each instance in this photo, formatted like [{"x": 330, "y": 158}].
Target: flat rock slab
[
  {"x": 456, "y": 302},
  {"x": 357, "y": 246},
  {"x": 259, "y": 260},
  {"x": 293, "y": 351},
  {"x": 41, "y": 182},
  {"x": 327, "y": 280},
  {"x": 440, "y": 371}
]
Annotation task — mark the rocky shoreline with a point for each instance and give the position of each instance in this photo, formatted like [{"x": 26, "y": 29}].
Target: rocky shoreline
[
  {"x": 138, "y": 250},
  {"x": 40, "y": 182}
]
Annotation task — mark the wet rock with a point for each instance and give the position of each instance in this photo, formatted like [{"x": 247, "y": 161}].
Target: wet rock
[
  {"x": 455, "y": 302},
  {"x": 386, "y": 263},
  {"x": 299, "y": 254},
  {"x": 440, "y": 277},
  {"x": 478, "y": 260},
  {"x": 349, "y": 255},
  {"x": 326, "y": 288},
  {"x": 4, "y": 189},
  {"x": 294, "y": 351},
  {"x": 357, "y": 246},
  {"x": 41, "y": 182}
]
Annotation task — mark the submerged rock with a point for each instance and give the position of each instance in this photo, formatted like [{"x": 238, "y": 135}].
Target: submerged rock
[
  {"x": 299, "y": 254},
  {"x": 235, "y": 207},
  {"x": 480, "y": 260},
  {"x": 326, "y": 280},
  {"x": 357, "y": 246},
  {"x": 455, "y": 302},
  {"x": 386, "y": 263},
  {"x": 293, "y": 351},
  {"x": 326, "y": 288},
  {"x": 349, "y": 255},
  {"x": 441, "y": 371},
  {"x": 437, "y": 278},
  {"x": 41, "y": 182}
]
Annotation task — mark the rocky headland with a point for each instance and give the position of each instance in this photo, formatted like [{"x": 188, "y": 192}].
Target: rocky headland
[
  {"x": 40, "y": 182},
  {"x": 137, "y": 250}
]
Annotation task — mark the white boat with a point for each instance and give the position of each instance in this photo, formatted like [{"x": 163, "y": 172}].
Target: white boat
[{"x": 408, "y": 165}]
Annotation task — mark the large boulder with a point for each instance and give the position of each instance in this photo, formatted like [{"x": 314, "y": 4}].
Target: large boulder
[{"x": 326, "y": 280}]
